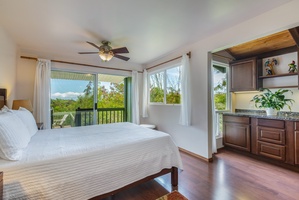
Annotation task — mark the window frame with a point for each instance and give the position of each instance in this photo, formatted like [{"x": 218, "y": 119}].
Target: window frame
[
  {"x": 164, "y": 83},
  {"x": 217, "y": 113}
]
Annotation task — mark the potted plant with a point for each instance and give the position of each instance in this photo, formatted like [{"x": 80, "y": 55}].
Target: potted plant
[{"x": 272, "y": 101}]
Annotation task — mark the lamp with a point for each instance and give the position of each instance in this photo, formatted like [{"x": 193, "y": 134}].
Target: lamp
[
  {"x": 105, "y": 52},
  {"x": 106, "y": 56},
  {"x": 25, "y": 103}
]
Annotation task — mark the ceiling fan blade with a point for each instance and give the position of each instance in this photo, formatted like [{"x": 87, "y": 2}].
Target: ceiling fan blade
[
  {"x": 96, "y": 46},
  {"x": 122, "y": 57},
  {"x": 120, "y": 50},
  {"x": 88, "y": 52}
]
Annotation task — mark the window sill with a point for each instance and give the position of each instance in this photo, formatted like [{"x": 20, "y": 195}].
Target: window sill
[{"x": 162, "y": 104}]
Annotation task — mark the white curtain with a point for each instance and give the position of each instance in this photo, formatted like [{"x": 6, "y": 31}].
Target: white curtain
[
  {"x": 135, "y": 98},
  {"x": 145, "y": 96},
  {"x": 41, "y": 103},
  {"x": 214, "y": 114},
  {"x": 185, "y": 117},
  {"x": 214, "y": 142}
]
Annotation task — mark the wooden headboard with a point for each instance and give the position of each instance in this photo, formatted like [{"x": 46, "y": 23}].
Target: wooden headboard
[
  {"x": 3, "y": 97},
  {"x": 2, "y": 103}
]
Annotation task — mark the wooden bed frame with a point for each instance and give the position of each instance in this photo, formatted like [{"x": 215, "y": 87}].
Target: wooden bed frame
[
  {"x": 174, "y": 182},
  {"x": 173, "y": 171}
]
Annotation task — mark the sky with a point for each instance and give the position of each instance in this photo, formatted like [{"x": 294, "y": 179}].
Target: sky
[
  {"x": 67, "y": 89},
  {"x": 70, "y": 89}
]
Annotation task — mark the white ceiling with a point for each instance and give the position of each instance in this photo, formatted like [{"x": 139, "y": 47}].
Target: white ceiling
[{"x": 148, "y": 28}]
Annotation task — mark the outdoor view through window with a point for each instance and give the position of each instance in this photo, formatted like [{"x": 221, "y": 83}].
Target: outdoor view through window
[
  {"x": 165, "y": 86},
  {"x": 221, "y": 97},
  {"x": 70, "y": 91}
]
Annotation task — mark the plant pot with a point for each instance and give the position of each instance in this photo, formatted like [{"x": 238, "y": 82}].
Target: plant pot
[{"x": 271, "y": 111}]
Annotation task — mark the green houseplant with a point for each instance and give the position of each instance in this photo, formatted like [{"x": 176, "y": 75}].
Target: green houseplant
[{"x": 272, "y": 101}]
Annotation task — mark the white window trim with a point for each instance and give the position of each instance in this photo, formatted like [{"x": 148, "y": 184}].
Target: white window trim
[
  {"x": 164, "y": 69},
  {"x": 228, "y": 94}
]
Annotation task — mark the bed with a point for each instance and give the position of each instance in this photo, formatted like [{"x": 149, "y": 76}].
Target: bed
[{"x": 89, "y": 162}]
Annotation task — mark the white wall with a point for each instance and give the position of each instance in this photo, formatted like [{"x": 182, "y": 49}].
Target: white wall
[
  {"x": 197, "y": 138},
  {"x": 243, "y": 100},
  {"x": 8, "y": 55},
  {"x": 25, "y": 78}
]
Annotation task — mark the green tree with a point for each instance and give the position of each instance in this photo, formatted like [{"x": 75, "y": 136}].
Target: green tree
[
  {"x": 220, "y": 95},
  {"x": 112, "y": 98}
]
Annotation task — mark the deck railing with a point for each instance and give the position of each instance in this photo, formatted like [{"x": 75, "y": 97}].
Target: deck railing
[
  {"x": 84, "y": 116},
  {"x": 218, "y": 122}
]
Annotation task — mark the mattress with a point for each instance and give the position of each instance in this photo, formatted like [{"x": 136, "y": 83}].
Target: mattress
[{"x": 83, "y": 162}]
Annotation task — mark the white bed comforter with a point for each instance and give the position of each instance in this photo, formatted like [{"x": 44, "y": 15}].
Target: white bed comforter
[{"x": 83, "y": 162}]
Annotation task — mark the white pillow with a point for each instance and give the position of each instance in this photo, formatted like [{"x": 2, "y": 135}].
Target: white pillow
[
  {"x": 5, "y": 109},
  {"x": 28, "y": 119},
  {"x": 14, "y": 136}
]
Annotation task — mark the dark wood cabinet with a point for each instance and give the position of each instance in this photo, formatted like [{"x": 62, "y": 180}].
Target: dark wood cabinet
[
  {"x": 244, "y": 75},
  {"x": 296, "y": 143},
  {"x": 268, "y": 138},
  {"x": 237, "y": 132}
]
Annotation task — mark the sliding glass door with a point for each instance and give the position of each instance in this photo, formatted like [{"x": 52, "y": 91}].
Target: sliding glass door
[
  {"x": 81, "y": 99},
  {"x": 70, "y": 92},
  {"x": 111, "y": 99}
]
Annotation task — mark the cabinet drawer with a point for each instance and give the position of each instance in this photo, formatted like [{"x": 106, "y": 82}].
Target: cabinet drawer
[
  {"x": 271, "y": 150},
  {"x": 271, "y": 123},
  {"x": 236, "y": 119},
  {"x": 296, "y": 126},
  {"x": 273, "y": 135}
]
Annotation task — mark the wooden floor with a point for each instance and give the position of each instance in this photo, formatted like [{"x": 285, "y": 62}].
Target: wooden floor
[{"x": 230, "y": 176}]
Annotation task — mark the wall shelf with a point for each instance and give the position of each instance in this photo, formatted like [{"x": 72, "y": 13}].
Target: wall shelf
[
  {"x": 284, "y": 86},
  {"x": 278, "y": 75}
]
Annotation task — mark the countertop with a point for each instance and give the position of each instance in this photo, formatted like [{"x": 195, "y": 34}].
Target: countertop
[{"x": 281, "y": 115}]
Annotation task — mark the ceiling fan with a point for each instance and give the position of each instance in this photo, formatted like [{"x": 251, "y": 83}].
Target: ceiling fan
[{"x": 106, "y": 52}]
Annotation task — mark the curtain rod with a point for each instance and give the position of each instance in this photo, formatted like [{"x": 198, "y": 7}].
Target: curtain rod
[
  {"x": 88, "y": 65},
  {"x": 189, "y": 55}
]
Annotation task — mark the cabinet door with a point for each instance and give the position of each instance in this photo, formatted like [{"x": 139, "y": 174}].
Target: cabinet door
[
  {"x": 243, "y": 75},
  {"x": 237, "y": 136},
  {"x": 297, "y": 147}
]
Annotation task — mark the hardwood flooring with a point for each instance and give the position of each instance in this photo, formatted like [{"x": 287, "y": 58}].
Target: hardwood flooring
[{"x": 230, "y": 176}]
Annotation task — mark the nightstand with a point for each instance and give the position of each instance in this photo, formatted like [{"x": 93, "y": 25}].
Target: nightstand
[{"x": 40, "y": 125}]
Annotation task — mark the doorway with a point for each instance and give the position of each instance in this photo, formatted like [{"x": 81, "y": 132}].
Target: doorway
[{"x": 220, "y": 95}]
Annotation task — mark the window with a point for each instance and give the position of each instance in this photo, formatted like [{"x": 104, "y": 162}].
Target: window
[
  {"x": 165, "y": 86},
  {"x": 221, "y": 94}
]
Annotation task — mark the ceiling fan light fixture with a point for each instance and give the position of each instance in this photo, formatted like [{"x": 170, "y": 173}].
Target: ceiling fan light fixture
[
  {"x": 106, "y": 56},
  {"x": 106, "y": 52}
]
